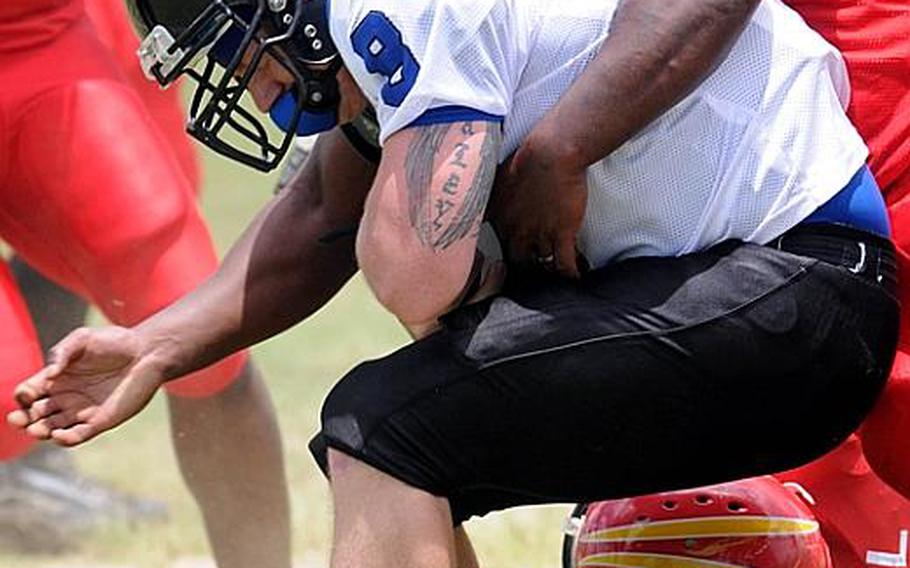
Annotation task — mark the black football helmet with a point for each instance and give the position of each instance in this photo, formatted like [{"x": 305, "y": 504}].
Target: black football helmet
[{"x": 219, "y": 44}]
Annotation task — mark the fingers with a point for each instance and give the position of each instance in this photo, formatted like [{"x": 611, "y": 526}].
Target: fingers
[
  {"x": 42, "y": 409},
  {"x": 74, "y": 435},
  {"x": 44, "y": 428},
  {"x": 566, "y": 256},
  {"x": 38, "y": 385},
  {"x": 17, "y": 419},
  {"x": 557, "y": 254},
  {"x": 520, "y": 250},
  {"x": 35, "y": 387},
  {"x": 545, "y": 258},
  {"x": 41, "y": 419},
  {"x": 55, "y": 412},
  {"x": 66, "y": 428},
  {"x": 533, "y": 253}
]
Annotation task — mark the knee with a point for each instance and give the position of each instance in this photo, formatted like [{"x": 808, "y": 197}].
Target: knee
[
  {"x": 133, "y": 239},
  {"x": 342, "y": 465},
  {"x": 147, "y": 267},
  {"x": 349, "y": 475},
  {"x": 146, "y": 200}
]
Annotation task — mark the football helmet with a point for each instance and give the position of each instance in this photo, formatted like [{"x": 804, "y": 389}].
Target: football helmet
[
  {"x": 755, "y": 523},
  {"x": 219, "y": 44}
]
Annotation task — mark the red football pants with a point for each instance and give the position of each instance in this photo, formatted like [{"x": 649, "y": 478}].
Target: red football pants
[
  {"x": 885, "y": 432},
  {"x": 93, "y": 197}
]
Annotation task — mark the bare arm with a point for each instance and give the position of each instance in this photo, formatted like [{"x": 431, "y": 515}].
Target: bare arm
[
  {"x": 418, "y": 240},
  {"x": 294, "y": 257},
  {"x": 656, "y": 54},
  {"x": 298, "y": 252}
]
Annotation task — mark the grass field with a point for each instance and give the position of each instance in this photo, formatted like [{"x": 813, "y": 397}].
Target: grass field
[{"x": 300, "y": 366}]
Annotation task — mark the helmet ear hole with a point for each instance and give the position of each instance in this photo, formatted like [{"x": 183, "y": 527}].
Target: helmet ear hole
[
  {"x": 736, "y": 507},
  {"x": 703, "y": 499},
  {"x": 669, "y": 505}
]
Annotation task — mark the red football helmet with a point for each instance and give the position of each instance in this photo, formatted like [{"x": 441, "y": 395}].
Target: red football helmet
[{"x": 755, "y": 523}]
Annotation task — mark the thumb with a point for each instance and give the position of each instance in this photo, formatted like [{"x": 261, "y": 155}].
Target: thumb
[{"x": 70, "y": 349}]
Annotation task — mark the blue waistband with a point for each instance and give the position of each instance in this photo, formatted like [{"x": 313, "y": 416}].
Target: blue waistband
[{"x": 859, "y": 205}]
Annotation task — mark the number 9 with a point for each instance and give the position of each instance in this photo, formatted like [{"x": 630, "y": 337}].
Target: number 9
[{"x": 379, "y": 43}]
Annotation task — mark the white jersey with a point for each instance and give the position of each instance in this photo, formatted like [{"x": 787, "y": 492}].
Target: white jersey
[{"x": 752, "y": 152}]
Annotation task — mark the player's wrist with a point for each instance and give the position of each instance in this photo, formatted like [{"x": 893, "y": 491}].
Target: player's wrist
[
  {"x": 161, "y": 353},
  {"x": 547, "y": 145}
]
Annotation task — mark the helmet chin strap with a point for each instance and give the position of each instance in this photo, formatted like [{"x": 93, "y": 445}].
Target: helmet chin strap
[{"x": 311, "y": 122}]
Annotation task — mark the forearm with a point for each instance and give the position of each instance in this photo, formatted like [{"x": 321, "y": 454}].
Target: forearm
[
  {"x": 656, "y": 54},
  {"x": 262, "y": 288},
  {"x": 295, "y": 256}
]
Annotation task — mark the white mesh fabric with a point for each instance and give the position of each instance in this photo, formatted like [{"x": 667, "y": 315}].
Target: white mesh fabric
[
  {"x": 756, "y": 149},
  {"x": 463, "y": 47},
  {"x": 753, "y": 151}
]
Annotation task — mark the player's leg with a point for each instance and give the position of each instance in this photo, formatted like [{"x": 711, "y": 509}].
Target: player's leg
[
  {"x": 116, "y": 220},
  {"x": 411, "y": 526},
  {"x": 20, "y": 356},
  {"x": 608, "y": 387},
  {"x": 379, "y": 518},
  {"x": 55, "y": 310},
  {"x": 244, "y": 401},
  {"x": 889, "y": 424},
  {"x": 37, "y": 509},
  {"x": 465, "y": 555},
  {"x": 46, "y": 504},
  {"x": 858, "y": 512},
  {"x": 229, "y": 448},
  {"x": 116, "y": 32},
  {"x": 884, "y": 432}
]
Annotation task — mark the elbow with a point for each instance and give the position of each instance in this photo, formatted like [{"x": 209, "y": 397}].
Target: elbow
[
  {"x": 414, "y": 289},
  {"x": 407, "y": 303}
]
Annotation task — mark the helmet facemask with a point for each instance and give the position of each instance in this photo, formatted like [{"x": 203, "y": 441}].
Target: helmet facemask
[{"x": 221, "y": 50}]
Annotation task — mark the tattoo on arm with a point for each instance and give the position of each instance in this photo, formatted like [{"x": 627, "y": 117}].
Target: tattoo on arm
[
  {"x": 419, "y": 167},
  {"x": 442, "y": 216}
]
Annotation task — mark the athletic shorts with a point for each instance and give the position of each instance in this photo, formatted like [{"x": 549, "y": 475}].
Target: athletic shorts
[
  {"x": 648, "y": 375},
  {"x": 92, "y": 196}
]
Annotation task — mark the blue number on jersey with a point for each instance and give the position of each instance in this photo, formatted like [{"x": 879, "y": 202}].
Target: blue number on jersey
[{"x": 379, "y": 43}]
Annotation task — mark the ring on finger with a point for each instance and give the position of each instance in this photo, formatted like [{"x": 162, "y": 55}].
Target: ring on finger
[{"x": 546, "y": 260}]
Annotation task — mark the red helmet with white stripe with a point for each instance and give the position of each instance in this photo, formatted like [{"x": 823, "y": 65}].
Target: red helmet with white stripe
[{"x": 755, "y": 523}]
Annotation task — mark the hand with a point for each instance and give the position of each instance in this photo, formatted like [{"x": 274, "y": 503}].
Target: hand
[
  {"x": 538, "y": 205},
  {"x": 95, "y": 380}
]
